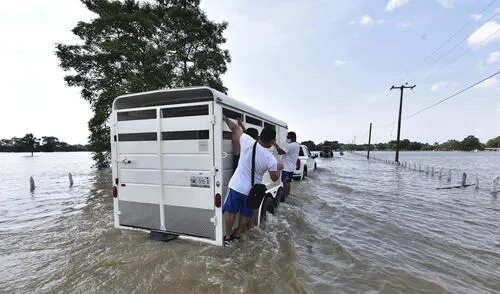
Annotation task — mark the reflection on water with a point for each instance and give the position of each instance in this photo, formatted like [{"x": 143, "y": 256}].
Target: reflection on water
[{"x": 354, "y": 226}]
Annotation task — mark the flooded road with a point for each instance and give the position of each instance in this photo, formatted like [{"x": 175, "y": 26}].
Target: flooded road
[{"x": 356, "y": 226}]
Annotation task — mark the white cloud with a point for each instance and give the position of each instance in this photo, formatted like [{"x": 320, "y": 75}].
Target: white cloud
[
  {"x": 438, "y": 86},
  {"x": 339, "y": 62},
  {"x": 368, "y": 20},
  {"x": 447, "y": 3},
  {"x": 494, "y": 57},
  {"x": 393, "y": 4},
  {"x": 352, "y": 22},
  {"x": 487, "y": 33},
  {"x": 477, "y": 16},
  {"x": 490, "y": 83},
  {"x": 404, "y": 25}
]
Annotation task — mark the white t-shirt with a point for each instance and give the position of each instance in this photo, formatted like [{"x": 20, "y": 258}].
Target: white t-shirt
[
  {"x": 290, "y": 158},
  {"x": 264, "y": 161}
]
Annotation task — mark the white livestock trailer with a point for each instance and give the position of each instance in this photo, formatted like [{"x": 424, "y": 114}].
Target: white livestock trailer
[{"x": 172, "y": 161}]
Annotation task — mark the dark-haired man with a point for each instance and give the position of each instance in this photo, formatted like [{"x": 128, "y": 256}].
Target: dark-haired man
[
  {"x": 240, "y": 183},
  {"x": 290, "y": 154}
]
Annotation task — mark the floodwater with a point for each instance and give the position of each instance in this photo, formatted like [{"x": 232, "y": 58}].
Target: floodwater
[{"x": 356, "y": 226}]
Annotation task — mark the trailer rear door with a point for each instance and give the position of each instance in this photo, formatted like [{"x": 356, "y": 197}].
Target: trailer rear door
[{"x": 166, "y": 168}]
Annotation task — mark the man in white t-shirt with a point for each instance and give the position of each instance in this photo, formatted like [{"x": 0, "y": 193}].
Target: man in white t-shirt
[
  {"x": 241, "y": 181},
  {"x": 290, "y": 154}
]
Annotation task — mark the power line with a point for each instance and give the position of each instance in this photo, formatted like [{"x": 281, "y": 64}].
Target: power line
[
  {"x": 448, "y": 40},
  {"x": 468, "y": 50},
  {"x": 451, "y": 96},
  {"x": 450, "y": 50},
  {"x": 441, "y": 57},
  {"x": 439, "y": 102}
]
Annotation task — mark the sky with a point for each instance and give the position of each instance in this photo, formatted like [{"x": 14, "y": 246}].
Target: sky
[{"x": 324, "y": 67}]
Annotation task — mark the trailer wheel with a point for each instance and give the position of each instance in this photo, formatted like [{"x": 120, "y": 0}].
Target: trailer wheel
[{"x": 267, "y": 207}]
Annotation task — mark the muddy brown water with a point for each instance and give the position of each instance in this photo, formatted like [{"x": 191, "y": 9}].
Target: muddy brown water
[{"x": 352, "y": 227}]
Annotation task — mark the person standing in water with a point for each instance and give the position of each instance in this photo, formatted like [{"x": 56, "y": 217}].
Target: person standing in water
[
  {"x": 240, "y": 184},
  {"x": 290, "y": 154}
]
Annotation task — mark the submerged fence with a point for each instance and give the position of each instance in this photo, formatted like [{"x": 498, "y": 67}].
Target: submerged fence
[
  {"x": 33, "y": 186},
  {"x": 440, "y": 173}
]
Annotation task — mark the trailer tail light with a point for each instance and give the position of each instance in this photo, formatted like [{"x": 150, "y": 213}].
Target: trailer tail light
[
  {"x": 115, "y": 191},
  {"x": 297, "y": 164},
  {"x": 218, "y": 200}
]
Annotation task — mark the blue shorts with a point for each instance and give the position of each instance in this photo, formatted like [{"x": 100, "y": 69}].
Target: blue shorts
[
  {"x": 286, "y": 177},
  {"x": 237, "y": 202}
]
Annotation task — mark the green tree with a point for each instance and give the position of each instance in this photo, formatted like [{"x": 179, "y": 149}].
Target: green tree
[
  {"x": 404, "y": 144},
  {"x": 49, "y": 144},
  {"x": 335, "y": 145},
  {"x": 493, "y": 143},
  {"x": 134, "y": 46},
  {"x": 310, "y": 145},
  {"x": 451, "y": 145},
  {"x": 29, "y": 143},
  {"x": 470, "y": 143}
]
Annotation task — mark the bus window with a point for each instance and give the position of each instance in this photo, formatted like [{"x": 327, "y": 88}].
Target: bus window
[
  {"x": 136, "y": 115},
  {"x": 185, "y": 111},
  {"x": 231, "y": 114},
  {"x": 253, "y": 121},
  {"x": 266, "y": 124}
]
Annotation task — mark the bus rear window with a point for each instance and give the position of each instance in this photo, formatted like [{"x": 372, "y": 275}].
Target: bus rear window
[
  {"x": 131, "y": 137},
  {"x": 185, "y": 111},
  {"x": 253, "y": 121},
  {"x": 185, "y": 135},
  {"x": 231, "y": 114},
  {"x": 136, "y": 115},
  {"x": 227, "y": 135},
  {"x": 269, "y": 125}
]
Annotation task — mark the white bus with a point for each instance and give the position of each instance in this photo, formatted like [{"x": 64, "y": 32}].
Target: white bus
[{"x": 172, "y": 160}]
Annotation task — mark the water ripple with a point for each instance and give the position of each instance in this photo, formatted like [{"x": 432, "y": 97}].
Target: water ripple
[{"x": 354, "y": 226}]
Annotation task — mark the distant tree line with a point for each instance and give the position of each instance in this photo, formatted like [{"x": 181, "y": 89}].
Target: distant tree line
[
  {"x": 469, "y": 143},
  {"x": 30, "y": 143}
]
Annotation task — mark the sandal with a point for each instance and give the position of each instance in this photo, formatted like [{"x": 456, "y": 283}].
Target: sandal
[{"x": 228, "y": 242}]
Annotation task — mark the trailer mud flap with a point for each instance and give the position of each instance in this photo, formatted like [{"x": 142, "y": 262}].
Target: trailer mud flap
[{"x": 190, "y": 221}]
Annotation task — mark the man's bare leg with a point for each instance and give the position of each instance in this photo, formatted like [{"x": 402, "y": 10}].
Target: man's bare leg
[
  {"x": 286, "y": 189},
  {"x": 243, "y": 227},
  {"x": 229, "y": 218}
]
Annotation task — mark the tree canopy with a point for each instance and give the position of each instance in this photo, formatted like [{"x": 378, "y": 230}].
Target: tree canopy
[
  {"x": 493, "y": 143},
  {"x": 30, "y": 143},
  {"x": 134, "y": 46},
  {"x": 469, "y": 143}
]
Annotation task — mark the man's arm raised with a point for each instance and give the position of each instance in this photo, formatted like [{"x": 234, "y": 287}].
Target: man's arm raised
[
  {"x": 235, "y": 129},
  {"x": 279, "y": 149},
  {"x": 242, "y": 126}
]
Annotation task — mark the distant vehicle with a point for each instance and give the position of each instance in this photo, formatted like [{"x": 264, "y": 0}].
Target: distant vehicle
[
  {"x": 305, "y": 163},
  {"x": 172, "y": 161},
  {"x": 326, "y": 152}
]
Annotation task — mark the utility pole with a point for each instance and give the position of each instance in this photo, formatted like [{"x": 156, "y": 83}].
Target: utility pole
[
  {"x": 402, "y": 87},
  {"x": 369, "y": 142}
]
